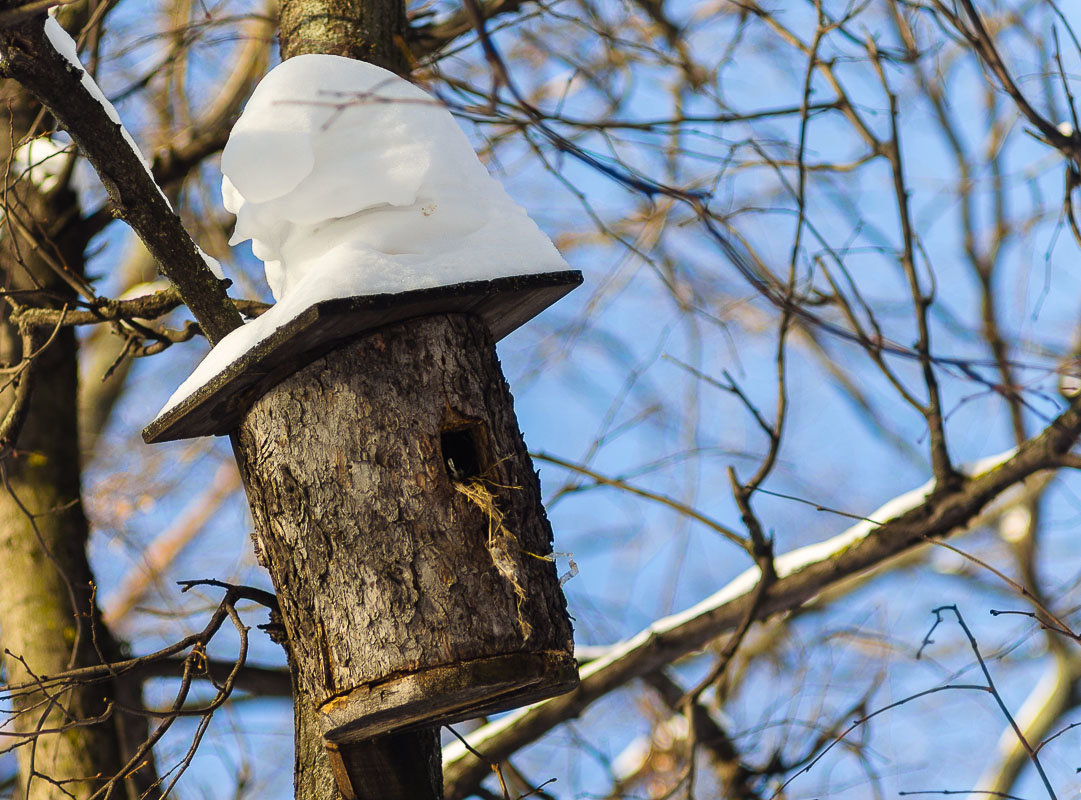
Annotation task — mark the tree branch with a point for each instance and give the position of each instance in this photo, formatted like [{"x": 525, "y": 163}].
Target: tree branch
[
  {"x": 801, "y": 575},
  {"x": 27, "y": 56},
  {"x": 424, "y": 40}
]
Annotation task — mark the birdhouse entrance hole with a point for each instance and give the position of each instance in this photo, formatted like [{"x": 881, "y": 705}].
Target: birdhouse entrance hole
[{"x": 461, "y": 446}]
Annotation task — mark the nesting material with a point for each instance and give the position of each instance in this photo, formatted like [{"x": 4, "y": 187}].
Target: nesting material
[{"x": 503, "y": 547}]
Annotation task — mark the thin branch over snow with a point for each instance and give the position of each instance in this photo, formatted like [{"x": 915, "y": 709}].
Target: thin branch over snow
[{"x": 899, "y": 524}]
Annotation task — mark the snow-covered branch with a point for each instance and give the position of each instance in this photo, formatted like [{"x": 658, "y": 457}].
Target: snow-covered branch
[
  {"x": 912, "y": 518},
  {"x": 39, "y": 55}
]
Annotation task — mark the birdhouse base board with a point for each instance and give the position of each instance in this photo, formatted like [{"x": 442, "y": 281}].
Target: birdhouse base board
[{"x": 447, "y": 694}]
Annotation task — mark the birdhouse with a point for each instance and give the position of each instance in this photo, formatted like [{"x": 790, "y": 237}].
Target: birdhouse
[{"x": 395, "y": 504}]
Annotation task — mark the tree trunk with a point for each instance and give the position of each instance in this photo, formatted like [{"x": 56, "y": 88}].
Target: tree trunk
[
  {"x": 399, "y": 516},
  {"x": 368, "y": 30},
  {"x": 406, "y": 764},
  {"x": 46, "y": 605},
  {"x": 49, "y": 621}
]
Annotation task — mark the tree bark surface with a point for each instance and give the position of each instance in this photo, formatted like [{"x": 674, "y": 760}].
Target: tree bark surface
[{"x": 361, "y": 29}]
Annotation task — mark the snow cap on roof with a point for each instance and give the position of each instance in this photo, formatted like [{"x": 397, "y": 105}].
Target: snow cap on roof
[{"x": 337, "y": 164}]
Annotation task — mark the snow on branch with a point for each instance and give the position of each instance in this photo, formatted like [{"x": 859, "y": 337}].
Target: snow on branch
[
  {"x": 65, "y": 46},
  {"x": 40, "y": 55},
  {"x": 910, "y": 519}
]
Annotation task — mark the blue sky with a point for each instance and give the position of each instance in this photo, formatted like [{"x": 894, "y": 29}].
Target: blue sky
[{"x": 606, "y": 363}]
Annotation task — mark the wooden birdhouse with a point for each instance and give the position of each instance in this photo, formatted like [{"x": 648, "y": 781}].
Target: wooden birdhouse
[{"x": 395, "y": 505}]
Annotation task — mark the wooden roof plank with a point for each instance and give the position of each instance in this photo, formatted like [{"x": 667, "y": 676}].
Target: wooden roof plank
[{"x": 505, "y": 304}]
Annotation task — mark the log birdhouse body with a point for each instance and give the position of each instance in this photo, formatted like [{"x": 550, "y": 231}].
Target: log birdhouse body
[
  {"x": 394, "y": 497},
  {"x": 396, "y": 507}
]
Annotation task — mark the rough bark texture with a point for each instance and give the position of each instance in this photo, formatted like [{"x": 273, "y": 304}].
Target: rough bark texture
[
  {"x": 387, "y": 563},
  {"x": 361, "y": 29}
]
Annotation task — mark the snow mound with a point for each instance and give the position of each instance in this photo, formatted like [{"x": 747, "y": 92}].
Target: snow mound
[
  {"x": 335, "y": 161},
  {"x": 351, "y": 181}
]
